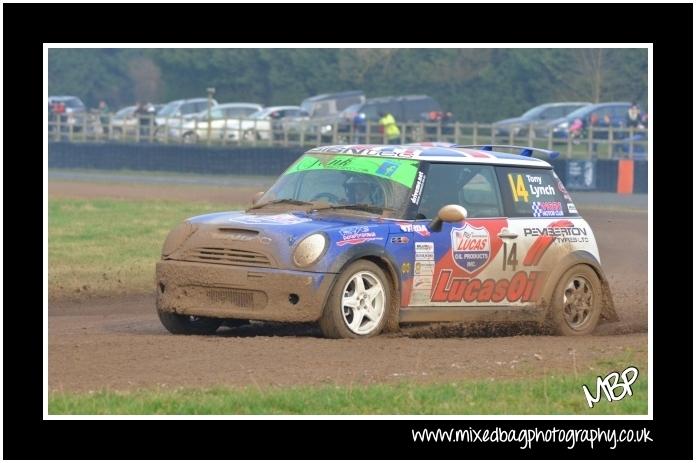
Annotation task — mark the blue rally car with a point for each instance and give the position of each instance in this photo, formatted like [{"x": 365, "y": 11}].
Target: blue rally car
[{"x": 362, "y": 238}]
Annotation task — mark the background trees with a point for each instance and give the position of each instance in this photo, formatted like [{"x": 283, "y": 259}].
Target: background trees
[{"x": 475, "y": 84}]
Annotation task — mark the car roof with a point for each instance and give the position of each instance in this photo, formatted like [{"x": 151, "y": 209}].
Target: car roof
[
  {"x": 331, "y": 96},
  {"x": 63, "y": 97},
  {"x": 239, "y": 105},
  {"x": 435, "y": 152},
  {"x": 385, "y": 99},
  {"x": 188, "y": 100},
  {"x": 563, "y": 103},
  {"x": 277, "y": 108}
]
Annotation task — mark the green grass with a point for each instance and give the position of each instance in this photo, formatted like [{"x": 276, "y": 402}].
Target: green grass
[
  {"x": 106, "y": 246},
  {"x": 551, "y": 395}
]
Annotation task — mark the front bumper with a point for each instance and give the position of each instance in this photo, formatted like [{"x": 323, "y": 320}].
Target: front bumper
[{"x": 225, "y": 291}]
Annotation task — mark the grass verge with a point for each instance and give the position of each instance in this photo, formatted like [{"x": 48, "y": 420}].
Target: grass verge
[
  {"x": 110, "y": 246},
  {"x": 549, "y": 395}
]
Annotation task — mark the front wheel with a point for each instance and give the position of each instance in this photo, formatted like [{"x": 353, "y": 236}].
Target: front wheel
[
  {"x": 577, "y": 302},
  {"x": 358, "y": 306},
  {"x": 188, "y": 324}
]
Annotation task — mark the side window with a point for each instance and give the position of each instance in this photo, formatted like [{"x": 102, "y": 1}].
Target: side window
[
  {"x": 188, "y": 108},
  {"x": 472, "y": 186},
  {"x": 554, "y": 112},
  {"x": 532, "y": 193},
  {"x": 370, "y": 111}
]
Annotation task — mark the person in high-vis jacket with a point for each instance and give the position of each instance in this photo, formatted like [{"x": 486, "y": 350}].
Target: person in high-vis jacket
[{"x": 390, "y": 129}]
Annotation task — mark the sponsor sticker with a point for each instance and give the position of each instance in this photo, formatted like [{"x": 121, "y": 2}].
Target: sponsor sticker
[
  {"x": 547, "y": 209},
  {"x": 278, "y": 219},
  {"x": 425, "y": 251},
  {"x": 522, "y": 286},
  {"x": 421, "y": 229},
  {"x": 356, "y": 235},
  {"x": 399, "y": 239},
  {"x": 418, "y": 189},
  {"x": 572, "y": 209},
  {"x": 471, "y": 247},
  {"x": 424, "y": 268},
  {"x": 423, "y": 282},
  {"x": 425, "y": 246}
]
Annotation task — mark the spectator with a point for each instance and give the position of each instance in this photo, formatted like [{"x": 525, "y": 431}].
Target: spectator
[
  {"x": 633, "y": 117},
  {"x": 104, "y": 116},
  {"x": 144, "y": 116},
  {"x": 389, "y": 128}
]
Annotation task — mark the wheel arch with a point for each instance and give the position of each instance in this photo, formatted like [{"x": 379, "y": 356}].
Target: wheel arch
[
  {"x": 377, "y": 255},
  {"x": 576, "y": 258}
]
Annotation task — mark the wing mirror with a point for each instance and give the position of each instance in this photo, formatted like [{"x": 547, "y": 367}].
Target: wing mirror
[
  {"x": 448, "y": 213},
  {"x": 256, "y": 197}
]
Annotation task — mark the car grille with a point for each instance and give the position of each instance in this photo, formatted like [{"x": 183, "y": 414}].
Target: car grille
[
  {"x": 228, "y": 256},
  {"x": 231, "y": 296}
]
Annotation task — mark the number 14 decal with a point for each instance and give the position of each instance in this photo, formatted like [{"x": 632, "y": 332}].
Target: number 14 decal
[{"x": 510, "y": 259}]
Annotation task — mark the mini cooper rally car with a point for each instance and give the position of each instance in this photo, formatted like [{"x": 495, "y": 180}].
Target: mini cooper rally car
[{"x": 363, "y": 237}]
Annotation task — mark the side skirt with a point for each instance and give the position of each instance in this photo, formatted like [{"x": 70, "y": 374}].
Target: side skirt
[{"x": 465, "y": 314}]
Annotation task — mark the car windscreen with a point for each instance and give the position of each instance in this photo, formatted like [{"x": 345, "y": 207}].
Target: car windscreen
[
  {"x": 73, "y": 103},
  {"x": 342, "y": 180},
  {"x": 533, "y": 113},
  {"x": 168, "y": 109}
]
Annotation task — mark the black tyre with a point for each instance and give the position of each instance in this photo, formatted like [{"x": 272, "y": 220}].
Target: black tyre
[
  {"x": 577, "y": 302},
  {"x": 188, "y": 324},
  {"x": 359, "y": 303}
]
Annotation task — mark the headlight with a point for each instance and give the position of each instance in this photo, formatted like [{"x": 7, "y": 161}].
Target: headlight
[
  {"x": 177, "y": 237},
  {"x": 309, "y": 250}
]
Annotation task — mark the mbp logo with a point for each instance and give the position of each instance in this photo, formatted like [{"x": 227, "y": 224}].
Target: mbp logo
[{"x": 609, "y": 384}]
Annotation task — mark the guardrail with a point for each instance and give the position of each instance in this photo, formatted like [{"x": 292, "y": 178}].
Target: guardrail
[{"x": 594, "y": 143}]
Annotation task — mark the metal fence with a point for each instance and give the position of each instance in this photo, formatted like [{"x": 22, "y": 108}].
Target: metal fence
[{"x": 594, "y": 143}]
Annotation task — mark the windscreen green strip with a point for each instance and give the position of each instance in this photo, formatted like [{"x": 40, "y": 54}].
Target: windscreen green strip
[{"x": 398, "y": 170}]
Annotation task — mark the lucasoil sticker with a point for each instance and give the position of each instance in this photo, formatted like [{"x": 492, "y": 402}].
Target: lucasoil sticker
[{"x": 471, "y": 247}]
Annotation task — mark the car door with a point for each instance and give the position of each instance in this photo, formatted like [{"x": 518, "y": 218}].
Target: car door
[
  {"x": 543, "y": 227},
  {"x": 459, "y": 265}
]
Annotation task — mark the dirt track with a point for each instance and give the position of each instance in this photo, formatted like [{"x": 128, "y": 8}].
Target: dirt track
[{"x": 120, "y": 344}]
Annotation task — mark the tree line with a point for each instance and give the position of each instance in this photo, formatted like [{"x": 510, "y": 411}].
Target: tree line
[{"x": 481, "y": 85}]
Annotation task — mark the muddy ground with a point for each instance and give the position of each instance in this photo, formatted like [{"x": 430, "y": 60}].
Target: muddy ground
[{"x": 119, "y": 343}]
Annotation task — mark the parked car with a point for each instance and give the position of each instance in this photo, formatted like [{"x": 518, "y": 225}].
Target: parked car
[
  {"x": 324, "y": 109},
  {"x": 71, "y": 111},
  {"x": 124, "y": 121},
  {"x": 407, "y": 108},
  {"x": 174, "y": 113},
  {"x": 262, "y": 124},
  {"x": 360, "y": 238},
  {"x": 225, "y": 120},
  {"x": 600, "y": 116},
  {"x": 328, "y": 104},
  {"x": 535, "y": 117}
]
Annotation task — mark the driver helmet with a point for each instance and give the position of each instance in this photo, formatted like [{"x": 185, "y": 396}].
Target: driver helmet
[{"x": 360, "y": 189}]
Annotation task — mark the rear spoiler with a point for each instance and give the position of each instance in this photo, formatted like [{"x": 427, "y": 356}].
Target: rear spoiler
[{"x": 524, "y": 150}]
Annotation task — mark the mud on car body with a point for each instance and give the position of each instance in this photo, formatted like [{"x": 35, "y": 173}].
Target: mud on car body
[{"x": 363, "y": 237}]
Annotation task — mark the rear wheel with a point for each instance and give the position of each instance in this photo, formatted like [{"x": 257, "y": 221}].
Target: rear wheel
[
  {"x": 188, "y": 324},
  {"x": 576, "y": 305},
  {"x": 358, "y": 306}
]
